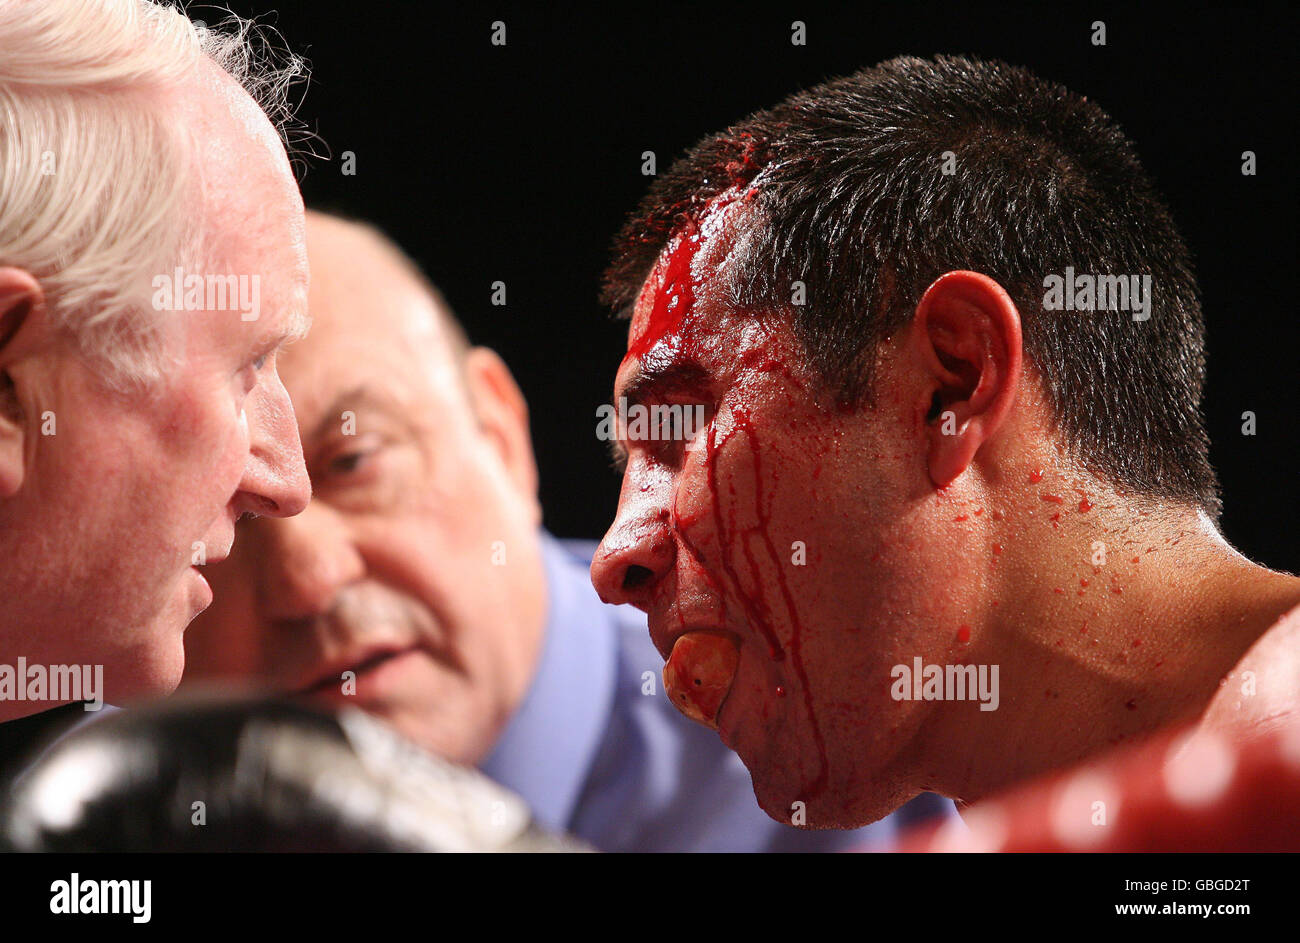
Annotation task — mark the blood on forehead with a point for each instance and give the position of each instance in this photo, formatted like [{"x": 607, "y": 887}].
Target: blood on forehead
[{"x": 670, "y": 294}]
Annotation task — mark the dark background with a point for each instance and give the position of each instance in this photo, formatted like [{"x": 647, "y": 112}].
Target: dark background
[{"x": 519, "y": 163}]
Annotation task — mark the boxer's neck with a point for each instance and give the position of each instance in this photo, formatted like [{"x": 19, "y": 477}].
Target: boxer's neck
[{"x": 1087, "y": 662}]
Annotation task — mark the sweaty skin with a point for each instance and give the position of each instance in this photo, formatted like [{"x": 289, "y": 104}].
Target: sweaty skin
[{"x": 835, "y": 542}]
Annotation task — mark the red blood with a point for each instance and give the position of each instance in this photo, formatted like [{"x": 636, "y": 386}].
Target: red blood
[
  {"x": 963, "y": 517},
  {"x": 1137, "y": 643},
  {"x": 757, "y": 610},
  {"x": 1083, "y": 582},
  {"x": 1036, "y": 476},
  {"x": 979, "y": 511},
  {"x": 1055, "y": 519},
  {"x": 997, "y": 515},
  {"x": 1054, "y": 498},
  {"x": 676, "y": 296},
  {"x": 1084, "y": 506},
  {"x": 780, "y": 691},
  {"x": 1135, "y": 559},
  {"x": 963, "y": 634},
  {"x": 1117, "y": 590},
  {"x": 997, "y": 548},
  {"x": 1059, "y": 590}
]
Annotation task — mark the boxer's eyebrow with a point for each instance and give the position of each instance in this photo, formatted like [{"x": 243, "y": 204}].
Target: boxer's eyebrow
[{"x": 659, "y": 380}]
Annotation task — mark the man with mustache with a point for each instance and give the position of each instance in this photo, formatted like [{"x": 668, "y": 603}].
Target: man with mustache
[
  {"x": 951, "y": 523},
  {"x": 136, "y": 424},
  {"x": 418, "y": 587}
]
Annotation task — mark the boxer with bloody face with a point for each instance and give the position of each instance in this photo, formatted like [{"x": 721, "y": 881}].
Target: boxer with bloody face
[
  {"x": 912, "y": 459},
  {"x": 419, "y": 587}
]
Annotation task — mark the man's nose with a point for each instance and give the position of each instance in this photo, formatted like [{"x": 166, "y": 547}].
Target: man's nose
[
  {"x": 275, "y": 482},
  {"x": 307, "y": 561},
  {"x": 638, "y": 551}
]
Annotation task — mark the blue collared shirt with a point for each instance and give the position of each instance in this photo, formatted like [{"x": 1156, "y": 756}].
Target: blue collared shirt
[{"x": 598, "y": 757}]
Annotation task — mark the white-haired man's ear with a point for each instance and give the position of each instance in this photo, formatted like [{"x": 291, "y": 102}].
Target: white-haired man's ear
[{"x": 21, "y": 302}]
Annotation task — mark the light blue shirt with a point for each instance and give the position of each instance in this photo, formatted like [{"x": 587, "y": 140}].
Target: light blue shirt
[{"x": 624, "y": 770}]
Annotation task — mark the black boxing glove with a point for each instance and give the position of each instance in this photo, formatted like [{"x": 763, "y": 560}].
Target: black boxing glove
[{"x": 257, "y": 776}]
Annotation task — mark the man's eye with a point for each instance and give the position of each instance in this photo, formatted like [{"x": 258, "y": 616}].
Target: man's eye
[{"x": 346, "y": 463}]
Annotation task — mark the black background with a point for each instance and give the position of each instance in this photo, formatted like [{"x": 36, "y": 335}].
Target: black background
[{"x": 518, "y": 164}]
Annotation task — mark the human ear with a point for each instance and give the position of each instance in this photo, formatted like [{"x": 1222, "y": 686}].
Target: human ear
[
  {"x": 966, "y": 331},
  {"x": 22, "y": 322}
]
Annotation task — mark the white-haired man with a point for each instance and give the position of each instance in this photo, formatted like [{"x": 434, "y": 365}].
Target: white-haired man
[{"x": 151, "y": 264}]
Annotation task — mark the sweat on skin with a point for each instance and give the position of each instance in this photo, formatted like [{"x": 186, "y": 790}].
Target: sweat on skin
[{"x": 886, "y": 501}]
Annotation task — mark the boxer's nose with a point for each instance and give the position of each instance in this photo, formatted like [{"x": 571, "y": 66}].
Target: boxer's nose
[
  {"x": 307, "y": 561},
  {"x": 637, "y": 553}
]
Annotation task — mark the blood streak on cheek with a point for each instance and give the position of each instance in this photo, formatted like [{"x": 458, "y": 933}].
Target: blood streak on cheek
[{"x": 731, "y": 535}]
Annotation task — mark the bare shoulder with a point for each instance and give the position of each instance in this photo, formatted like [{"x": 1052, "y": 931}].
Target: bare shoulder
[{"x": 1262, "y": 691}]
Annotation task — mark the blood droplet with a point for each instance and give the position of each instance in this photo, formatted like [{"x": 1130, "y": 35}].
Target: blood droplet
[
  {"x": 1036, "y": 476},
  {"x": 1085, "y": 506},
  {"x": 1054, "y": 498},
  {"x": 963, "y": 634}
]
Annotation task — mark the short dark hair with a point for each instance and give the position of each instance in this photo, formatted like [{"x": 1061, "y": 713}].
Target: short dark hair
[{"x": 852, "y": 199}]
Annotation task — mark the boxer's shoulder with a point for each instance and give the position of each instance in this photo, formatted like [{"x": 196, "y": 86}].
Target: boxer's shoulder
[{"x": 1262, "y": 691}]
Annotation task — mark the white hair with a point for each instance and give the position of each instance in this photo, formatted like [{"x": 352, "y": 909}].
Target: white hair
[{"x": 96, "y": 185}]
